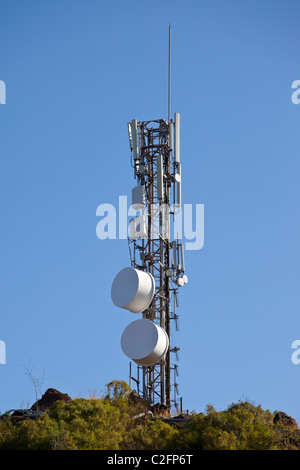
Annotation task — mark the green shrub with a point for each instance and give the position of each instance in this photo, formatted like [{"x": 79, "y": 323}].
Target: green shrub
[
  {"x": 114, "y": 423},
  {"x": 241, "y": 427}
]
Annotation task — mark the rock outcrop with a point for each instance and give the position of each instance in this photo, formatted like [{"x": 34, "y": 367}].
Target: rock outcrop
[
  {"x": 49, "y": 398},
  {"x": 39, "y": 407},
  {"x": 283, "y": 420}
]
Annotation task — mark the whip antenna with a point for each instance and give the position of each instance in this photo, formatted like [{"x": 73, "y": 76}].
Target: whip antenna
[{"x": 169, "y": 80}]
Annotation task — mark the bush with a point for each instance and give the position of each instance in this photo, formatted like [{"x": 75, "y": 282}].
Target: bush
[
  {"x": 241, "y": 427},
  {"x": 115, "y": 423}
]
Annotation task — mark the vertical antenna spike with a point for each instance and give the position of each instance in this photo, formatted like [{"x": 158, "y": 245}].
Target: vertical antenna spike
[{"x": 169, "y": 81}]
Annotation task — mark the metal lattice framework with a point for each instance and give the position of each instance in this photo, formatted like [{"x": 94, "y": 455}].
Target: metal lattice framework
[{"x": 155, "y": 169}]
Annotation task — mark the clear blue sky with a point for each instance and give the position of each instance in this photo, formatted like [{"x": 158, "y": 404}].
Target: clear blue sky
[{"x": 76, "y": 72}]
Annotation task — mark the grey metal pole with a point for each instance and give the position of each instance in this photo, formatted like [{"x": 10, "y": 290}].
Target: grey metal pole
[{"x": 169, "y": 81}]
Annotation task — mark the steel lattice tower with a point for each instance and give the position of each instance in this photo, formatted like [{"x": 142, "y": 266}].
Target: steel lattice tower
[
  {"x": 158, "y": 175},
  {"x": 156, "y": 256}
]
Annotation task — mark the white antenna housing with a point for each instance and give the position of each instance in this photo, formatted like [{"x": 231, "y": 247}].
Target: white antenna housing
[
  {"x": 178, "y": 186},
  {"x": 144, "y": 342},
  {"x": 134, "y": 139},
  {"x": 138, "y": 197},
  {"x": 130, "y": 136},
  {"x": 133, "y": 290},
  {"x": 177, "y": 138},
  {"x": 160, "y": 177}
]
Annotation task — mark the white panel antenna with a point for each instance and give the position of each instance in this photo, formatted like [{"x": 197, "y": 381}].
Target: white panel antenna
[
  {"x": 177, "y": 138},
  {"x": 160, "y": 177}
]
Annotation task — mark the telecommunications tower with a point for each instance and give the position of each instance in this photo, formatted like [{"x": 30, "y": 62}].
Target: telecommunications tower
[{"x": 150, "y": 286}]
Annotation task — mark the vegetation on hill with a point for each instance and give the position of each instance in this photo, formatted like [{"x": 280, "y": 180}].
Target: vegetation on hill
[{"x": 116, "y": 422}]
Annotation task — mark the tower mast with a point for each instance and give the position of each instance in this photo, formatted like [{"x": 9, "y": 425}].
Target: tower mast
[{"x": 156, "y": 251}]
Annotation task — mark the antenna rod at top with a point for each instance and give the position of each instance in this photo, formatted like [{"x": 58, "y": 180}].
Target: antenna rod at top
[{"x": 169, "y": 82}]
